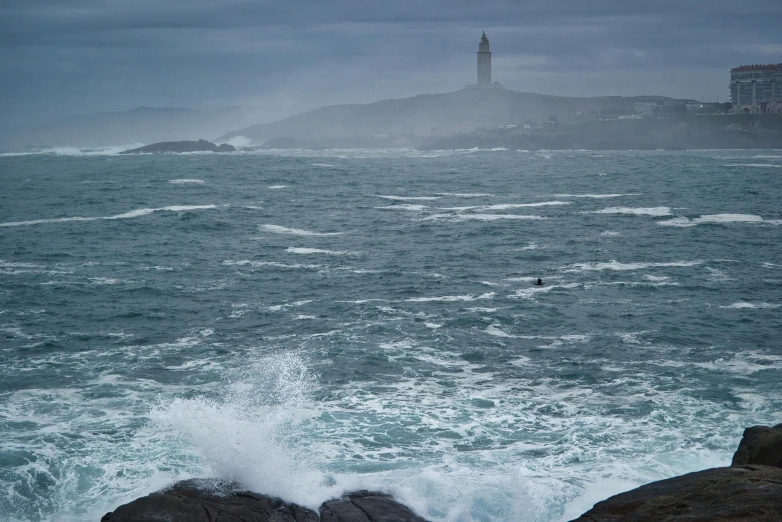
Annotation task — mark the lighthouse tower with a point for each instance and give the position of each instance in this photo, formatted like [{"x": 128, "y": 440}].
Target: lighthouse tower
[{"x": 484, "y": 62}]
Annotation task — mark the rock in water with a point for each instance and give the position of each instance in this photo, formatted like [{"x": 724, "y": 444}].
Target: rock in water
[
  {"x": 202, "y": 500},
  {"x": 182, "y": 146},
  {"x": 743, "y": 493},
  {"x": 760, "y": 445},
  {"x": 366, "y": 506}
]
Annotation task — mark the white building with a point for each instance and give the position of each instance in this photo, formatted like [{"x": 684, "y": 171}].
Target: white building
[{"x": 756, "y": 89}]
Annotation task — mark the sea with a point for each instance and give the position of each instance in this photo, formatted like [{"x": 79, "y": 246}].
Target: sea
[{"x": 308, "y": 323}]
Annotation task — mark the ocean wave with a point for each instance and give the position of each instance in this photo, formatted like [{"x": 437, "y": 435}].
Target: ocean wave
[
  {"x": 595, "y": 196},
  {"x": 755, "y": 165},
  {"x": 261, "y": 264},
  {"x": 505, "y": 206},
  {"x": 299, "y": 250},
  {"x": 76, "y": 151},
  {"x": 745, "y": 305},
  {"x": 277, "y": 229},
  {"x": 451, "y": 298},
  {"x": 408, "y": 206},
  {"x": 186, "y": 181},
  {"x": 127, "y": 215},
  {"x": 410, "y": 198},
  {"x": 477, "y": 217},
  {"x": 615, "y": 265},
  {"x": 716, "y": 219},
  {"x": 643, "y": 211},
  {"x": 465, "y": 194}
]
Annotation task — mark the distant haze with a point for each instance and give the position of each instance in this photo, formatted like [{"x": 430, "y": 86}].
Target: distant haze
[{"x": 82, "y": 56}]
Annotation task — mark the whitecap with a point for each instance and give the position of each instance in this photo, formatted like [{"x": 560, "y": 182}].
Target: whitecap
[
  {"x": 744, "y": 305},
  {"x": 530, "y": 293},
  {"x": 277, "y": 229},
  {"x": 126, "y": 215},
  {"x": 714, "y": 218},
  {"x": 506, "y": 206},
  {"x": 298, "y": 250},
  {"x": 277, "y": 187},
  {"x": 755, "y": 165},
  {"x": 465, "y": 195},
  {"x": 410, "y": 198},
  {"x": 404, "y": 206},
  {"x": 615, "y": 265},
  {"x": 273, "y": 264},
  {"x": 647, "y": 211},
  {"x": 595, "y": 196},
  {"x": 451, "y": 298},
  {"x": 186, "y": 181},
  {"x": 478, "y": 217},
  {"x": 496, "y": 332}
]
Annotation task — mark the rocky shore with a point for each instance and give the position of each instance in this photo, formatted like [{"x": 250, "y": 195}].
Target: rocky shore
[
  {"x": 748, "y": 490},
  {"x": 735, "y": 131},
  {"x": 181, "y": 146}
]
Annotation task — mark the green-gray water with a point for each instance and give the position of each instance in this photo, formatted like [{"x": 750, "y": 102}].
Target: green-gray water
[{"x": 314, "y": 322}]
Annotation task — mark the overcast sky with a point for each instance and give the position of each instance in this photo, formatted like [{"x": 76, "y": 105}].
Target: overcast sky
[{"x": 60, "y": 57}]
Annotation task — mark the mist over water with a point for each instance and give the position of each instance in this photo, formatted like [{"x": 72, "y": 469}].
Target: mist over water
[{"x": 313, "y": 322}]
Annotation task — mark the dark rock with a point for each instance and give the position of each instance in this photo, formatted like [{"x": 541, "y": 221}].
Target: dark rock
[
  {"x": 742, "y": 493},
  {"x": 366, "y": 506},
  {"x": 760, "y": 445},
  {"x": 181, "y": 146},
  {"x": 202, "y": 500}
]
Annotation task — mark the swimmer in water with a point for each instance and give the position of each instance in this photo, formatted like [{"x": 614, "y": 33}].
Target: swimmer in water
[{"x": 539, "y": 282}]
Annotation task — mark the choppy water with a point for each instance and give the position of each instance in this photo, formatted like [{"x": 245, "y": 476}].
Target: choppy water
[{"x": 314, "y": 322}]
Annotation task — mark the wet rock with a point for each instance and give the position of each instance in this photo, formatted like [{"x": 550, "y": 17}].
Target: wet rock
[
  {"x": 366, "y": 506},
  {"x": 204, "y": 500},
  {"x": 733, "y": 494},
  {"x": 201, "y": 500},
  {"x": 760, "y": 445}
]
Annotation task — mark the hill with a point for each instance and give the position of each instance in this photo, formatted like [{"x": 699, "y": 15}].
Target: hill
[{"x": 428, "y": 115}]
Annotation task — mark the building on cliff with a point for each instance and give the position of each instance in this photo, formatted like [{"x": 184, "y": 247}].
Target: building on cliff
[
  {"x": 756, "y": 89},
  {"x": 484, "y": 62},
  {"x": 484, "y": 66}
]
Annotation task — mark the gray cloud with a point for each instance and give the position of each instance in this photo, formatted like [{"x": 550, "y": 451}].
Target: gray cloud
[{"x": 89, "y": 55}]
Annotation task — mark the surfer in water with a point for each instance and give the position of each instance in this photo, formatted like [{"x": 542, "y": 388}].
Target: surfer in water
[{"x": 539, "y": 282}]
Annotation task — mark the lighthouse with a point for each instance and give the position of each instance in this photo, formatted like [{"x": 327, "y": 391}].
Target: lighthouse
[{"x": 484, "y": 62}]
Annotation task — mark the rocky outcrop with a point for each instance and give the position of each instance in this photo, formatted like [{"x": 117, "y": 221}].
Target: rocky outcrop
[
  {"x": 743, "y": 493},
  {"x": 748, "y": 491},
  {"x": 205, "y": 500},
  {"x": 760, "y": 445},
  {"x": 182, "y": 146},
  {"x": 366, "y": 506}
]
